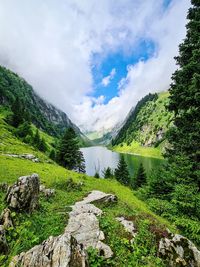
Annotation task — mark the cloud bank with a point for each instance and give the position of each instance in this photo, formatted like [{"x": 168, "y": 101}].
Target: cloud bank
[{"x": 51, "y": 44}]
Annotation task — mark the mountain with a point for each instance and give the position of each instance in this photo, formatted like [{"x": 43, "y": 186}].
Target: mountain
[
  {"x": 43, "y": 115},
  {"x": 146, "y": 123}
]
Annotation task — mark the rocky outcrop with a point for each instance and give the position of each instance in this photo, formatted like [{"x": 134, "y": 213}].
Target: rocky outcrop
[
  {"x": 3, "y": 242},
  {"x": 24, "y": 194},
  {"x": 3, "y": 187},
  {"x": 84, "y": 225},
  {"x": 69, "y": 249},
  {"x": 5, "y": 219},
  {"x": 61, "y": 251},
  {"x": 179, "y": 251},
  {"x": 24, "y": 156},
  {"x": 47, "y": 191},
  {"x": 128, "y": 225}
]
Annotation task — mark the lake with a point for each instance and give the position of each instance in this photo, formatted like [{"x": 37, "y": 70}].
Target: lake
[{"x": 97, "y": 158}]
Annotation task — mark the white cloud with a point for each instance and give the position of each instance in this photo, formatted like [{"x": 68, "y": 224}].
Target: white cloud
[
  {"x": 51, "y": 43},
  {"x": 106, "y": 80}
]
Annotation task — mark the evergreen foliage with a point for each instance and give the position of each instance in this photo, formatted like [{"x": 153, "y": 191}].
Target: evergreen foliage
[
  {"x": 42, "y": 145},
  {"x": 18, "y": 112},
  {"x": 52, "y": 154},
  {"x": 69, "y": 155},
  {"x": 108, "y": 173},
  {"x": 141, "y": 177},
  {"x": 184, "y": 153},
  {"x": 96, "y": 175},
  {"x": 121, "y": 172},
  {"x": 80, "y": 162}
]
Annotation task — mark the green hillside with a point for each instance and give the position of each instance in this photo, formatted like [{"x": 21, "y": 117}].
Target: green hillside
[
  {"x": 42, "y": 114},
  {"x": 51, "y": 218},
  {"x": 144, "y": 129}
]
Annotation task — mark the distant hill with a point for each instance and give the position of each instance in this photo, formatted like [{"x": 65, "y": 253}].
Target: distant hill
[
  {"x": 146, "y": 123},
  {"x": 43, "y": 115}
]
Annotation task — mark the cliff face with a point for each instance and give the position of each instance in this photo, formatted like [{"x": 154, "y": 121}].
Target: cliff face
[
  {"x": 43, "y": 114},
  {"x": 147, "y": 123}
]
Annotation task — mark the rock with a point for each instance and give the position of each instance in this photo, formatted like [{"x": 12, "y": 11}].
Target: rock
[
  {"x": 4, "y": 187},
  {"x": 24, "y": 156},
  {"x": 6, "y": 219},
  {"x": 99, "y": 196},
  {"x": 84, "y": 225},
  {"x": 69, "y": 249},
  {"x": 128, "y": 225},
  {"x": 47, "y": 191},
  {"x": 24, "y": 194},
  {"x": 61, "y": 251},
  {"x": 179, "y": 251},
  {"x": 3, "y": 242}
]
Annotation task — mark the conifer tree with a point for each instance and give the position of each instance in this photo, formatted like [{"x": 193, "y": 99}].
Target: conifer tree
[
  {"x": 108, "y": 173},
  {"x": 140, "y": 179},
  {"x": 80, "y": 162},
  {"x": 52, "y": 154},
  {"x": 121, "y": 172},
  {"x": 69, "y": 155},
  {"x": 18, "y": 112},
  {"x": 36, "y": 139},
  {"x": 42, "y": 145},
  {"x": 184, "y": 137}
]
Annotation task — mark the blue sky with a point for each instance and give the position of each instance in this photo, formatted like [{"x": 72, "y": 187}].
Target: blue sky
[{"x": 120, "y": 62}]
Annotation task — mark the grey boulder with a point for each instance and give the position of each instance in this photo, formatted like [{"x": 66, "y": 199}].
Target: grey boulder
[{"x": 24, "y": 194}]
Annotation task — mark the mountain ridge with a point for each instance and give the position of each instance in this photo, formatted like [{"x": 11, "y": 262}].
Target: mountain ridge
[{"x": 43, "y": 114}]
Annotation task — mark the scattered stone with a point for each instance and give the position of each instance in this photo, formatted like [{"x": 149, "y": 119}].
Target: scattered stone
[
  {"x": 4, "y": 187},
  {"x": 99, "y": 196},
  {"x": 47, "y": 191},
  {"x": 69, "y": 249},
  {"x": 84, "y": 225},
  {"x": 61, "y": 251},
  {"x": 179, "y": 251},
  {"x": 3, "y": 242},
  {"x": 24, "y": 156},
  {"x": 6, "y": 219},
  {"x": 24, "y": 194},
  {"x": 128, "y": 225}
]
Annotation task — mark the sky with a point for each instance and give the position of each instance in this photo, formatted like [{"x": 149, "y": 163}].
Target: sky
[{"x": 93, "y": 59}]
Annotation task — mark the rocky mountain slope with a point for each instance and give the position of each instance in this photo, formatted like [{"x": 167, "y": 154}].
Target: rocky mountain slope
[
  {"x": 146, "y": 123},
  {"x": 44, "y": 115}
]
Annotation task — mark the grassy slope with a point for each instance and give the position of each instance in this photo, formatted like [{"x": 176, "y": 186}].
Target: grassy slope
[
  {"x": 155, "y": 116},
  {"x": 51, "y": 217}
]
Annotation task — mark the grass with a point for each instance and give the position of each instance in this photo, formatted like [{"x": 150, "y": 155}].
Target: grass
[
  {"x": 136, "y": 149},
  {"x": 52, "y": 215},
  {"x": 51, "y": 218}
]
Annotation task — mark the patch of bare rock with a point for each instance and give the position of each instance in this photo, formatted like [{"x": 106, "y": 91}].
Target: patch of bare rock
[
  {"x": 24, "y": 194},
  {"x": 24, "y": 156},
  {"x": 177, "y": 250},
  {"x": 128, "y": 226},
  {"x": 70, "y": 248}
]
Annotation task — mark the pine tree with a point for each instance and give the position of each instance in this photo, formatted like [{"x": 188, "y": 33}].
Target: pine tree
[
  {"x": 140, "y": 179},
  {"x": 36, "y": 139},
  {"x": 68, "y": 152},
  {"x": 184, "y": 137},
  {"x": 52, "y": 154},
  {"x": 42, "y": 145},
  {"x": 96, "y": 175},
  {"x": 121, "y": 172},
  {"x": 108, "y": 173},
  {"x": 18, "y": 112},
  {"x": 80, "y": 162}
]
